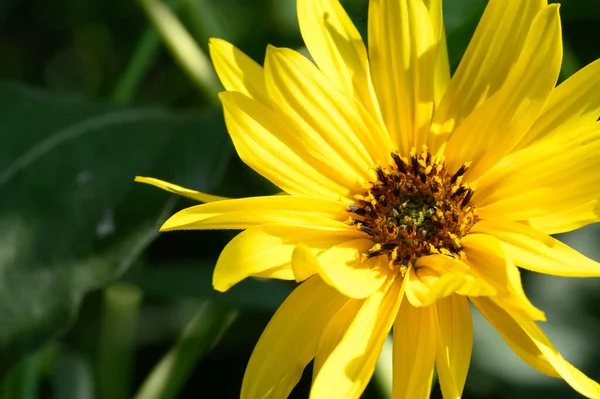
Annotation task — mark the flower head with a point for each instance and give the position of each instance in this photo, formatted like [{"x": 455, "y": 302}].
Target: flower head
[{"x": 407, "y": 193}]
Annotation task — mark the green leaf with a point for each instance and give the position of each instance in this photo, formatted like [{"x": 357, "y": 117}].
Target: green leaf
[{"x": 71, "y": 217}]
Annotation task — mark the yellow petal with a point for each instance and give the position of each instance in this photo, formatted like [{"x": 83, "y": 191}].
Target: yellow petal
[
  {"x": 343, "y": 133},
  {"x": 342, "y": 267},
  {"x": 455, "y": 343},
  {"x": 487, "y": 257},
  {"x": 492, "y": 53},
  {"x": 244, "y": 213},
  {"x": 569, "y": 220},
  {"x": 268, "y": 248},
  {"x": 175, "y": 189},
  {"x": 304, "y": 263},
  {"x": 496, "y": 126},
  {"x": 237, "y": 71},
  {"x": 287, "y": 345},
  {"x": 349, "y": 367},
  {"x": 442, "y": 66},
  {"x": 573, "y": 105},
  {"x": 337, "y": 48},
  {"x": 403, "y": 49},
  {"x": 537, "y": 251},
  {"x": 187, "y": 220},
  {"x": 438, "y": 276},
  {"x": 267, "y": 143},
  {"x": 529, "y": 342},
  {"x": 415, "y": 333},
  {"x": 552, "y": 176},
  {"x": 334, "y": 333}
]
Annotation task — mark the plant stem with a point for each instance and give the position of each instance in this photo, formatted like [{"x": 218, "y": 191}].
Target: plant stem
[
  {"x": 184, "y": 49},
  {"x": 173, "y": 370},
  {"x": 144, "y": 54},
  {"x": 117, "y": 341},
  {"x": 23, "y": 380}
]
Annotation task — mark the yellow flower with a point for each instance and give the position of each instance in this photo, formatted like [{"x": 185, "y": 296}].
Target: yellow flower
[{"x": 408, "y": 194}]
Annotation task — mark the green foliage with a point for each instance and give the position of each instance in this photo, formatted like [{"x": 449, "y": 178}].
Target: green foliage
[{"x": 72, "y": 217}]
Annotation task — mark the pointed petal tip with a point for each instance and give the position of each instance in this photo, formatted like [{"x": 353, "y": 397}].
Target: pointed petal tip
[
  {"x": 213, "y": 41},
  {"x": 219, "y": 286}
]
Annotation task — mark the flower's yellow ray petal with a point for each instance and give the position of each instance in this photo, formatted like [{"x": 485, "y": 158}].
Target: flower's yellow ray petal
[
  {"x": 269, "y": 247},
  {"x": 442, "y": 66},
  {"x": 490, "y": 57},
  {"x": 495, "y": 127},
  {"x": 569, "y": 220},
  {"x": 334, "y": 333},
  {"x": 537, "y": 251},
  {"x": 528, "y": 341},
  {"x": 237, "y": 71},
  {"x": 267, "y": 143},
  {"x": 175, "y": 189},
  {"x": 342, "y": 267},
  {"x": 287, "y": 345},
  {"x": 514, "y": 335},
  {"x": 415, "y": 333},
  {"x": 438, "y": 276},
  {"x": 573, "y": 105},
  {"x": 552, "y": 176},
  {"x": 403, "y": 49},
  {"x": 183, "y": 220},
  {"x": 337, "y": 48},
  {"x": 488, "y": 258},
  {"x": 304, "y": 263},
  {"x": 348, "y": 369},
  {"x": 455, "y": 342},
  {"x": 242, "y": 213},
  {"x": 332, "y": 119}
]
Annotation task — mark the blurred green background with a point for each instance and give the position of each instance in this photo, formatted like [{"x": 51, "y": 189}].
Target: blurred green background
[{"x": 94, "y": 303}]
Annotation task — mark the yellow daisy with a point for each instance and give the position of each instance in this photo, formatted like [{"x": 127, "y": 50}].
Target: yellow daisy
[{"x": 407, "y": 194}]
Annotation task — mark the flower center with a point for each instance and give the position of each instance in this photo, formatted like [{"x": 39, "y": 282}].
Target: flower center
[{"x": 415, "y": 208}]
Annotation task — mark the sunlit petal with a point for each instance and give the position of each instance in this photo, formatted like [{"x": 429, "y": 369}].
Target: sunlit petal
[
  {"x": 496, "y": 126},
  {"x": 335, "y": 121},
  {"x": 404, "y": 49},
  {"x": 415, "y": 339},
  {"x": 334, "y": 333},
  {"x": 491, "y": 56},
  {"x": 287, "y": 346},
  {"x": 237, "y": 71},
  {"x": 488, "y": 258},
  {"x": 175, "y": 189},
  {"x": 268, "y": 247},
  {"x": 344, "y": 268},
  {"x": 572, "y": 219},
  {"x": 268, "y": 144},
  {"x": 537, "y": 251},
  {"x": 349, "y": 367},
  {"x": 573, "y": 105},
  {"x": 337, "y": 48},
  {"x": 438, "y": 276},
  {"x": 455, "y": 343},
  {"x": 549, "y": 177},
  {"x": 244, "y": 213},
  {"x": 529, "y": 342}
]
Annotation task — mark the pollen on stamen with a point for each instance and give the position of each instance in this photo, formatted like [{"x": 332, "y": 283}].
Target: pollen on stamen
[{"x": 415, "y": 208}]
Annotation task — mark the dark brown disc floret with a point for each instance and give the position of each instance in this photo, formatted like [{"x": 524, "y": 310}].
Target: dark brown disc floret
[{"x": 415, "y": 208}]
